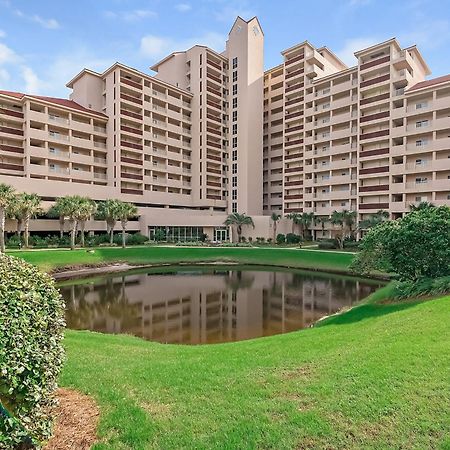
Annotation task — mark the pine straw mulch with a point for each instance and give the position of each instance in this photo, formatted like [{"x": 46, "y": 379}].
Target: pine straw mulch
[{"x": 76, "y": 422}]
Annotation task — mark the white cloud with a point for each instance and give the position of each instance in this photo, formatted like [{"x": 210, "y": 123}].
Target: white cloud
[
  {"x": 131, "y": 16},
  {"x": 346, "y": 54},
  {"x": 33, "y": 85},
  {"x": 4, "y": 76},
  {"x": 7, "y": 55},
  {"x": 156, "y": 46},
  {"x": 183, "y": 7},
  {"x": 51, "y": 24}
]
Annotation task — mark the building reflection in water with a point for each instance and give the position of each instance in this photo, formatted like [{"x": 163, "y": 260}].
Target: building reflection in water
[{"x": 208, "y": 306}]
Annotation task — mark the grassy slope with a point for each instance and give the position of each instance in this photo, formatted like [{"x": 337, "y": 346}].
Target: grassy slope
[
  {"x": 375, "y": 377},
  {"x": 50, "y": 259}
]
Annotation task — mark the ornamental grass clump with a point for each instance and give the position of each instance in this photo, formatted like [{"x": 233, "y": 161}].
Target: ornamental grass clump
[{"x": 31, "y": 353}]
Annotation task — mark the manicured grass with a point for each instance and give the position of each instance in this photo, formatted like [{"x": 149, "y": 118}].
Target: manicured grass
[
  {"x": 304, "y": 259},
  {"x": 375, "y": 377}
]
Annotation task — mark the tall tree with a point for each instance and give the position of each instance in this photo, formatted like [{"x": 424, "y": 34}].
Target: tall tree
[
  {"x": 421, "y": 206},
  {"x": 26, "y": 207},
  {"x": 375, "y": 219},
  {"x": 306, "y": 220},
  {"x": 295, "y": 217},
  {"x": 55, "y": 213},
  {"x": 109, "y": 212},
  {"x": 337, "y": 219},
  {"x": 69, "y": 208},
  {"x": 321, "y": 220},
  {"x": 86, "y": 210},
  {"x": 239, "y": 220},
  {"x": 349, "y": 222},
  {"x": 345, "y": 221},
  {"x": 7, "y": 197},
  {"x": 126, "y": 211},
  {"x": 275, "y": 219}
]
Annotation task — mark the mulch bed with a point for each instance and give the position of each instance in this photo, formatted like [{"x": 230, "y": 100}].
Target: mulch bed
[{"x": 76, "y": 422}]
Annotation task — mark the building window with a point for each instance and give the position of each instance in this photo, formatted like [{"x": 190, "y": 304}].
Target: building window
[
  {"x": 234, "y": 89},
  {"x": 234, "y": 115},
  {"x": 234, "y": 194},
  {"x": 234, "y": 155},
  {"x": 234, "y": 182},
  {"x": 175, "y": 234},
  {"x": 235, "y": 62},
  {"x": 421, "y": 123},
  {"x": 234, "y": 102},
  {"x": 234, "y": 169},
  {"x": 421, "y": 142},
  {"x": 234, "y": 207},
  {"x": 234, "y": 76},
  {"x": 234, "y": 142}
]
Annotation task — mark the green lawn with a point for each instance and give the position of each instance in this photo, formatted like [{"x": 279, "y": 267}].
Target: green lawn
[
  {"x": 303, "y": 259},
  {"x": 376, "y": 377}
]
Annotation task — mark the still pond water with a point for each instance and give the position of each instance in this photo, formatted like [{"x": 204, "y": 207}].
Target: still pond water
[{"x": 208, "y": 304}]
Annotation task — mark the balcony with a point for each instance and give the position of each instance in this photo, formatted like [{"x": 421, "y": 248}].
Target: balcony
[{"x": 374, "y": 63}]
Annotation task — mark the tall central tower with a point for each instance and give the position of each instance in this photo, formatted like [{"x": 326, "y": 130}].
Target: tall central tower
[{"x": 245, "y": 53}]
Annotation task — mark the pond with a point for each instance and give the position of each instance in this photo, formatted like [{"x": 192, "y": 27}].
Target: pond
[{"x": 200, "y": 305}]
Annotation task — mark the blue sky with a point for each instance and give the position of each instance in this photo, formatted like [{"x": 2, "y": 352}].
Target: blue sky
[{"x": 43, "y": 43}]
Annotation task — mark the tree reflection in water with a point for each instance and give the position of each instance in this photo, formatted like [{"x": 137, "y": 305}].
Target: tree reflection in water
[{"x": 208, "y": 305}]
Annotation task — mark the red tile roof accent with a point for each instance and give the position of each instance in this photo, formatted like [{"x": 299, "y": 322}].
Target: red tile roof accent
[
  {"x": 427, "y": 83},
  {"x": 57, "y": 101}
]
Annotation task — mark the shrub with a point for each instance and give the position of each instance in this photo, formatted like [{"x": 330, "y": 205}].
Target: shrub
[
  {"x": 269, "y": 241},
  {"x": 351, "y": 244},
  {"x": 414, "y": 247},
  {"x": 292, "y": 238},
  {"x": 281, "y": 238},
  {"x": 136, "y": 239},
  {"x": 31, "y": 354},
  {"x": 327, "y": 245},
  {"x": 159, "y": 235}
]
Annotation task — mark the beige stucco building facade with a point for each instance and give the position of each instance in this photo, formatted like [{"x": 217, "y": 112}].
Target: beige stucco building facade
[{"x": 212, "y": 133}]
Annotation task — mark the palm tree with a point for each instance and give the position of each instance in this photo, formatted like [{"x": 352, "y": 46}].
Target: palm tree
[
  {"x": 109, "y": 212},
  {"x": 349, "y": 221},
  {"x": 375, "y": 219},
  {"x": 321, "y": 220},
  {"x": 295, "y": 217},
  {"x": 337, "y": 218},
  {"x": 421, "y": 206},
  {"x": 239, "y": 220},
  {"x": 86, "y": 210},
  {"x": 306, "y": 219},
  {"x": 7, "y": 197},
  {"x": 26, "y": 207},
  {"x": 125, "y": 211},
  {"x": 55, "y": 213},
  {"x": 69, "y": 207},
  {"x": 275, "y": 219}
]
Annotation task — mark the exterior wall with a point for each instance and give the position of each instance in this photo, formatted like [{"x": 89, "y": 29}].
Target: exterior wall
[{"x": 245, "y": 54}]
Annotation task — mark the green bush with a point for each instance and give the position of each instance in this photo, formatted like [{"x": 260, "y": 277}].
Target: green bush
[
  {"x": 351, "y": 244},
  {"x": 292, "y": 238},
  {"x": 426, "y": 287},
  {"x": 31, "y": 354},
  {"x": 327, "y": 245},
  {"x": 281, "y": 238},
  {"x": 414, "y": 247}
]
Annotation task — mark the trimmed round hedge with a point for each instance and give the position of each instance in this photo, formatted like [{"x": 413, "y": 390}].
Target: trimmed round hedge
[{"x": 31, "y": 352}]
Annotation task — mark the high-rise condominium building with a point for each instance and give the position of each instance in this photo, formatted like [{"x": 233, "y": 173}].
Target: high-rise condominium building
[{"x": 212, "y": 133}]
